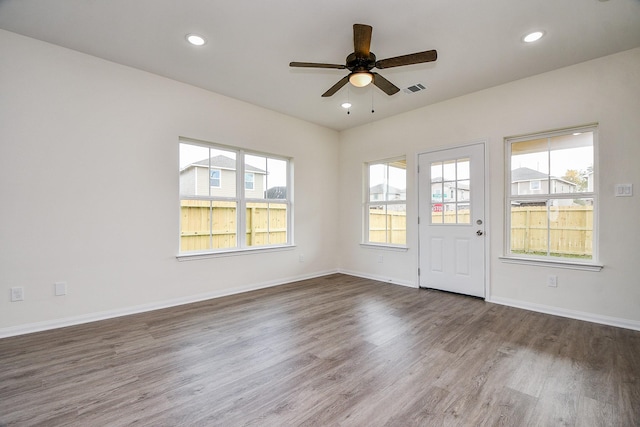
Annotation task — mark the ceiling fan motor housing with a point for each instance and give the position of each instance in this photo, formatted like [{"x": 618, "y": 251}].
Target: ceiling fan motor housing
[{"x": 357, "y": 63}]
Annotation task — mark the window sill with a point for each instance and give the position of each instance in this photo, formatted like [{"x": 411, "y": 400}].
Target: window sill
[
  {"x": 384, "y": 247},
  {"x": 552, "y": 263},
  {"x": 232, "y": 252}
]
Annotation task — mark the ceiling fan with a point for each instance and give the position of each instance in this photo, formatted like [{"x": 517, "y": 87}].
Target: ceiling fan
[{"x": 362, "y": 61}]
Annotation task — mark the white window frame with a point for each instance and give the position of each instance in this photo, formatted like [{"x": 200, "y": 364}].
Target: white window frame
[
  {"x": 241, "y": 204},
  {"x": 517, "y": 258},
  {"x": 367, "y": 203}
]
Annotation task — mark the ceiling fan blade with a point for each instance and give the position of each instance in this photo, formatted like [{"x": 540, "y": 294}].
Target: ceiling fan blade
[
  {"x": 316, "y": 65},
  {"x": 385, "y": 85},
  {"x": 362, "y": 39},
  {"x": 336, "y": 86},
  {"x": 412, "y": 58}
]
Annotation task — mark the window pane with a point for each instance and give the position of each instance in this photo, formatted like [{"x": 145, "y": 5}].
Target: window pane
[
  {"x": 270, "y": 177},
  {"x": 377, "y": 182},
  {"x": 571, "y": 228},
  {"x": 529, "y": 227},
  {"x": 463, "y": 169},
  {"x": 257, "y": 165},
  {"x": 276, "y": 179},
  {"x": 530, "y": 162},
  {"x": 449, "y": 170},
  {"x": 207, "y": 225},
  {"x": 436, "y": 172},
  {"x": 437, "y": 213},
  {"x": 464, "y": 193},
  {"x": 189, "y": 172},
  {"x": 571, "y": 161},
  {"x": 464, "y": 216},
  {"x": 397, "y": 180},
  {"x": 266, "y": 224},
  {"x": 378, "y": 224},
  {"x": 450, "y": 213}
]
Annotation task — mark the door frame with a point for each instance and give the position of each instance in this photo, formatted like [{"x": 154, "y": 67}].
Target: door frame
[{"x": 487, "y": 207}]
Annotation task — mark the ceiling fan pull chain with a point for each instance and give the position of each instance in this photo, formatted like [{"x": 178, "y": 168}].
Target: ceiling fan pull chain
[{"x": 372, "y": 110}]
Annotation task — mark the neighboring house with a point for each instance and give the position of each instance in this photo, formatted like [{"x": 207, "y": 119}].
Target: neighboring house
[
  {"x": 449, "y": 191},
  {"x": 590, "y": 181},
  {"x": 529, "y": 181},
  {"x": 377, "y": 193},
  {"x": 198, "y": 178}
]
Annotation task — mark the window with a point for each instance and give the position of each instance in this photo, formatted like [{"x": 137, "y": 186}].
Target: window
[
  {"x": 231, "y": 199},
  {"x": 214, "y": 178},
  {"x": 551, "y": 200},
  {"x": 385, "y": 210},
  {"x": 249, "y": 180}
]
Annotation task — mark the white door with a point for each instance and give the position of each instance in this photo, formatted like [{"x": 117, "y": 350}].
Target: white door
[{"x": 451, "y": 205}]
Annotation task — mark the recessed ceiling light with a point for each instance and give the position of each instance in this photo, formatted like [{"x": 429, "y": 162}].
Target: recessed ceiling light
[
  {"x": 195, "y": 39},
  {"x": 346, "y": 105},
  {"x": 532, "y": 37}
]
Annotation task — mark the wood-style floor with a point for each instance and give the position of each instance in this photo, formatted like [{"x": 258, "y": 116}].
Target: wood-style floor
[{"x": 336, "y": 350}]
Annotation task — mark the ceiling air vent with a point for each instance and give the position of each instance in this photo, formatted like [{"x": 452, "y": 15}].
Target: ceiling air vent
[{"x": 415, "y": 88}]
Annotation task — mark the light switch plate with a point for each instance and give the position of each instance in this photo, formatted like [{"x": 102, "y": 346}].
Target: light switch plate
[{"x": 624, "y": 190}]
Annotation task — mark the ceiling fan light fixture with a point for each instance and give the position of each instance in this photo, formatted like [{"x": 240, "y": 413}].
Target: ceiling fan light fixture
[
  {"x": 346, "y": 105},
  {"x": 195, "y": 39},
  {"x": 360, "y": 79}
]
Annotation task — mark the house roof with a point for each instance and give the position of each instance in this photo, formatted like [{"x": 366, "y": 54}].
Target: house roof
[
  {"x": 528, "y": 174},
  {"x": 379, "y": 189},
  {"x": 224, "y": 162}
]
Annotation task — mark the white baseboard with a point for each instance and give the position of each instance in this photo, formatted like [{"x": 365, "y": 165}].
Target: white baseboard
[
  {"x": 378, "y": 278},
  {"x": 572, "y": 314},
  {"x": 110, "y": 314}
]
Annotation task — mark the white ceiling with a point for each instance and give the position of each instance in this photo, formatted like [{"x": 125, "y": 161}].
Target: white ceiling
[{"x": 250, "y": 44}]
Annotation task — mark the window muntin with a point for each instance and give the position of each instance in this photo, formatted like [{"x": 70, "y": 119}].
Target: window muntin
[
  {"x": 551, "y": 199},
  {"x": 231, "y": 199},
  {"x": 385, "y": 210}
]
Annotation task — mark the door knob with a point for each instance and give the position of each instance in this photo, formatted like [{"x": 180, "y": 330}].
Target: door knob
[{"x": 479, "y": 233}]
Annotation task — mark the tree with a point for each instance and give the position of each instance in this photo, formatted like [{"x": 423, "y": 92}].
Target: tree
[{"x": 577, "y": 177}]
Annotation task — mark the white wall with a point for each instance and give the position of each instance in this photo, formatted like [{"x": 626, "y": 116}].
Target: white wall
[
  {"x": 89, "y": 187},
  {"x": 607, "y": 91},
  {"x": 113, "y": 236}
]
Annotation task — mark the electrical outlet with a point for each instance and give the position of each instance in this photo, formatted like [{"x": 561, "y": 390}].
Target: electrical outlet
[
  {"x": 17, "y": 294},
  {"x": 380, "y": 259},
  {"x": 301, "y": 258},
  {"x": 552, "y": 281},
  {"x": 60, "y": 288}
]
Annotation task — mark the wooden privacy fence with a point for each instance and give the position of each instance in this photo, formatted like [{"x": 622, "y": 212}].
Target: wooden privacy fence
[
  {"x": 206, "y": 225},
  {"x": 389, "y": 227},
  {"x": 570, "y": 228},
  {"x": 566, "y": 231}
]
